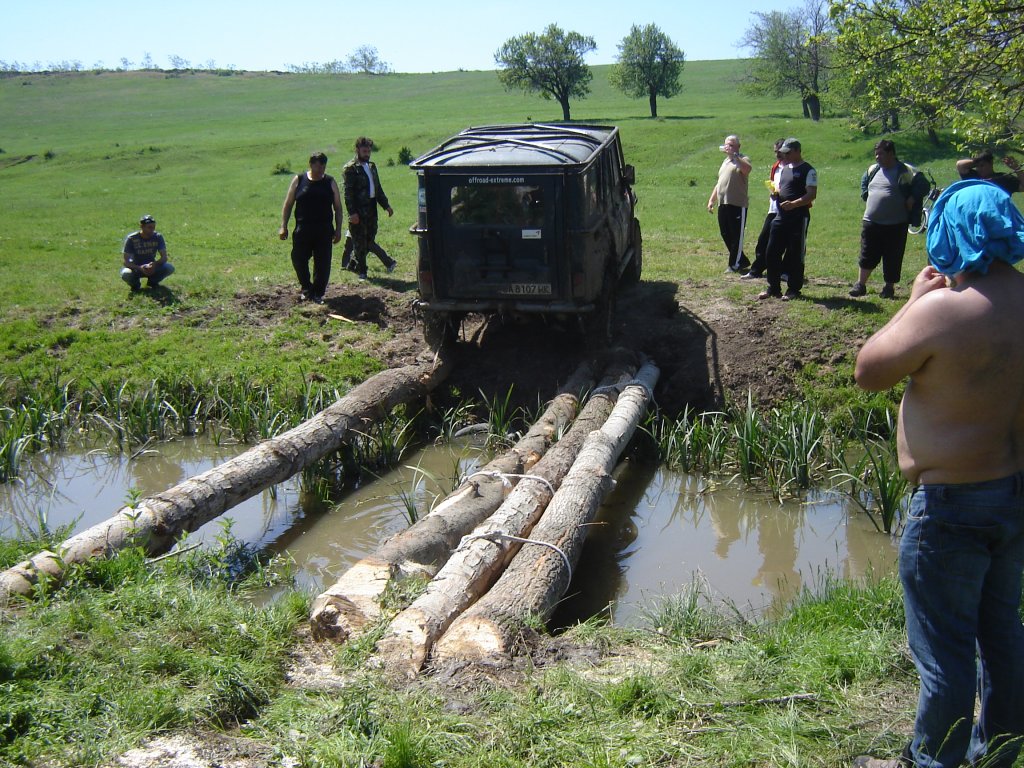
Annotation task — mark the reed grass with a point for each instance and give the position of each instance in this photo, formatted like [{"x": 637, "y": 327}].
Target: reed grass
[{"x": 790, "y": 449}]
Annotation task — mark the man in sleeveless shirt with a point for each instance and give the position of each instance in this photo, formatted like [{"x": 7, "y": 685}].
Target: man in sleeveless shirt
[
  {"x": 317, "y": 202},
  {"x": 787, "y": 242}
]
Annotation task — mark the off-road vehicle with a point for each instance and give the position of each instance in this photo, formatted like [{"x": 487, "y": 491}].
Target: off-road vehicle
[{"x": 525, "y": 219}]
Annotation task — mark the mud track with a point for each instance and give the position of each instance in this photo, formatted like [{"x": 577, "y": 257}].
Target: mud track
[{"x": 709, "y": 349}]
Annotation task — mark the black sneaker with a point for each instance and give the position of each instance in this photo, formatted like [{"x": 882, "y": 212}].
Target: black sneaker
[
  {"x": 769, "y": 294},
  {"x": 790, "y": 295},
  {"x": 752, "y": 276},
  {"x": 317, "y": 299},
  {"x": 859, "y": 289},
  {"x": 391, "y": 267},
  {"x": 887, "y": 292},
  {"x": 305, "y": 295}
]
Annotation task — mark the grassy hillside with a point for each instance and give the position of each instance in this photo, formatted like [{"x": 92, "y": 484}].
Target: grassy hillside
[{"x": 85, "y": 154}]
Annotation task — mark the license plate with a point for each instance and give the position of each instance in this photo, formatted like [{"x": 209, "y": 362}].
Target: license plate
[{"x": 530, "y": 289}]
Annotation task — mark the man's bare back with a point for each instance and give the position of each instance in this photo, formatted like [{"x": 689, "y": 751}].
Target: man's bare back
[{"x": 962, "y": 415}]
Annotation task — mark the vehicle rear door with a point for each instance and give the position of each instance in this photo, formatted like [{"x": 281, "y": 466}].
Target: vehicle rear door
[{"x": 500, "y": 234}]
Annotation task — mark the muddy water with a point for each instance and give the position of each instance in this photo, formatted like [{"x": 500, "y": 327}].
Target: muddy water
[{"x": 657, "y": 532}]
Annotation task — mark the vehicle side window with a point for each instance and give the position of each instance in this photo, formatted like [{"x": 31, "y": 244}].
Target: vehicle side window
[
  {"x": 591, "y": 186},
  {"x": 517, "y": 205},
  {"x": 611, "y": 175}
]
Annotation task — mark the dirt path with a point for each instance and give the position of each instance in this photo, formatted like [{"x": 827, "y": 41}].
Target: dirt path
[{"x": 709, "y": 348}]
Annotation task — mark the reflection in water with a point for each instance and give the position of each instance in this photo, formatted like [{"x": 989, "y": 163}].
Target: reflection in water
[{"x": 656, "y": 532}]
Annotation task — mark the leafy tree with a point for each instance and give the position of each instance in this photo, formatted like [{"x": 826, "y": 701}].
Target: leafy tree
[
  {"x": 550, "y": 63},
  {"x": 649, "y": 64},
  {"x": 954, "y": 62},
  {"x": 792, "y": 51},
  {"x": 367, "y": 60}
]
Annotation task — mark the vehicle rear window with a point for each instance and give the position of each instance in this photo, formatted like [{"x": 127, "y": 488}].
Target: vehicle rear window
[{"x": 516, "y": 205}]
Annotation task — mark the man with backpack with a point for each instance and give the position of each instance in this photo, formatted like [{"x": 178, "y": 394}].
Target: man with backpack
[{"x": 895, "y": 193}]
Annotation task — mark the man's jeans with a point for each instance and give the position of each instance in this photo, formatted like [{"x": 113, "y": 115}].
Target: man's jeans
[
  {"x": 135, "y": 280},
  {"x": 961, "y": 559}
]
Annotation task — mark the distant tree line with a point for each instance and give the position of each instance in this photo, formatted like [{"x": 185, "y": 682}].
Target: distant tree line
[{"x": 365, "y": 59}]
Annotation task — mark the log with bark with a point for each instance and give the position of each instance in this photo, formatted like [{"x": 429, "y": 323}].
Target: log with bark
[
  {"x": 539, "y": 575},
  {"x": 480, "y": 559},
  {"x": 353, "y": 602},
  {"x": 156, "y": 522}
]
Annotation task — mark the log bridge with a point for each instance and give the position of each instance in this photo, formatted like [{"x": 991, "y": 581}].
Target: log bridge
[{"x": 499, "y": 551}]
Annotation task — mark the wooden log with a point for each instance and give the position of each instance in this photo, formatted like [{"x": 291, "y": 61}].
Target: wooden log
[
  {"x": 155, "y": 523},
  {"x": 540, "y": 573},
  {"x": 352, "y": 603},
  {"x": 480, "y": 559}
]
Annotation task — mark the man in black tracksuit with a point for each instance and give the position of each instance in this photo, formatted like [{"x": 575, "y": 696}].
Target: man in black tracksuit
[
  {"x": 787, "y": 243},
  {"x": 363, "y": 193}
]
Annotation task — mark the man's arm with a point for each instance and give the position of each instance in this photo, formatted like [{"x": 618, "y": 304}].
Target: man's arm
[
  {"x": 906, "y": 342},
  {"x": 350, "y": 183},
  {"x": 161, "y": 251},
  {"x": 286, "y": 209},
  {"x": 338, "y": 228},
  {"x": 801, "y": 202},
  {"x": 743, "y": 163}
]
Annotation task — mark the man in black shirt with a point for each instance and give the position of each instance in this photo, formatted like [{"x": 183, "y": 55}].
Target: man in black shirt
[
  {"x": 313, "y": 194},
  {"x": 787, "y": 241}
]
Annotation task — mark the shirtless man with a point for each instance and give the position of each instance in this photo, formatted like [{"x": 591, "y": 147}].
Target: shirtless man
[{"x": 961, "y": 444}]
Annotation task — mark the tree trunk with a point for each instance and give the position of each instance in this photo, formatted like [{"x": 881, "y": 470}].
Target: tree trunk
[
  {"x": 478, "y": 562},
  {"x": 353, "y": 601},
  {"x": 155, "y": 523},
  {"x": 814, "y": 105},
  {"x": 538, "y": 576},
  {"x": 806, "y": 108},
  {"x": 565, "y": 108},
  {"x": 653, "y": 99}
]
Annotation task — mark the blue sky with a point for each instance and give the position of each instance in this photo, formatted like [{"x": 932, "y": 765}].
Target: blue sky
[{"x": 410, "y": 36}]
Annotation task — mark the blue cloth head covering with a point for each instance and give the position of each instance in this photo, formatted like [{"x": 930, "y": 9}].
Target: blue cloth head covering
[{"x": 972, "y": 223}]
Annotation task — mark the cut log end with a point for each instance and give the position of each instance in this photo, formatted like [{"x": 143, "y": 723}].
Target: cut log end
[
  {"x": 472, "y": 638},
  {"x": 351, "y": 605},
  {"x": 402, "y": 652}
]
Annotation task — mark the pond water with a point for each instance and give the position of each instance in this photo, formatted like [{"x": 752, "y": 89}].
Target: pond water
[{"x": 657, "y": 532}]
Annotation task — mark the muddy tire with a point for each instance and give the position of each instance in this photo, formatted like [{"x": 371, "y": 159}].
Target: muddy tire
[
  {"x": 440, "y": 329},
  {"x": 597, "y": 326},
  {"x": 631, "y": 275}
]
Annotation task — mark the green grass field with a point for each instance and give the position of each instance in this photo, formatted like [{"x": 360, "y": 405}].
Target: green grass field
[{"x": 85, "y": 154}]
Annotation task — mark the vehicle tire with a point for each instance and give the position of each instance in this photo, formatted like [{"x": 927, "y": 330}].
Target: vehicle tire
[
  {"x": 631, "y": 275},
  {"x": 598, "y": 325},
  {"x": 440, "y": 329}
]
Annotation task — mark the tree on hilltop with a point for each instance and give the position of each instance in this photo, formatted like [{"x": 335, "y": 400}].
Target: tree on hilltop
[
  {"x": 550, "y": 64},
  {"x": 649, "y": 64},
  {"x": 792, "y": 51},
  {"x": 367, "y": 60}
]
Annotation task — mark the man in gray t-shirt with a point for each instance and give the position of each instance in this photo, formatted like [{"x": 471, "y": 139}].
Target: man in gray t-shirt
[{"x": 883, "y": 236}]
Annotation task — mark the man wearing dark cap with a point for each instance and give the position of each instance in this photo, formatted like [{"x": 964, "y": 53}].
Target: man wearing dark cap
[
  {"x": 317, "y": 202},
  {"x": 959, "y": 440},
  {"x": 145, "y": 255},
  {"x": 982, "y": 166},
  {"x": 787, "y": 240}
]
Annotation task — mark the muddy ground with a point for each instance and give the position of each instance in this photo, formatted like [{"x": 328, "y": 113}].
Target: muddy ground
[{"x": 709, "y": 348}]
